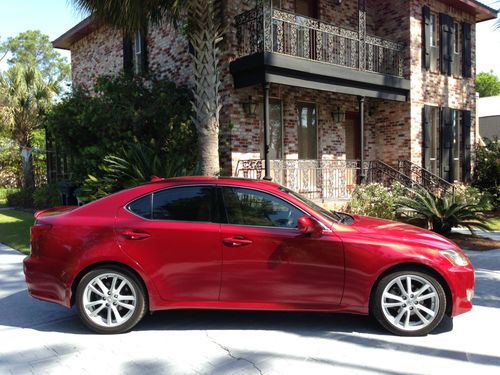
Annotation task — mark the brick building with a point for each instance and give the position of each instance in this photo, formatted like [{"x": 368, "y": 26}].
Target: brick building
[{"x": 346, "y": 82}]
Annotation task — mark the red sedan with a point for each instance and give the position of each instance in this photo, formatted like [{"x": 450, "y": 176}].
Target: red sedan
[{"x": 221, "y": 243}]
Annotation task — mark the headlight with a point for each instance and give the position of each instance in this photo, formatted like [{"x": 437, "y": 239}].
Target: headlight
[{"x": 455, "y": 257}]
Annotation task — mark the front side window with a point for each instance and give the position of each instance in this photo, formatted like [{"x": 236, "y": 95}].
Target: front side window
[
  {"x": 256, "y": 208},
  {"x": 187, "y": 203}
]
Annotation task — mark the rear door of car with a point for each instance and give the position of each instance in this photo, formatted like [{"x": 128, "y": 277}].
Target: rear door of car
[
  {"x": 174, "y": 235},
  {"x": 267, "y": 261}
]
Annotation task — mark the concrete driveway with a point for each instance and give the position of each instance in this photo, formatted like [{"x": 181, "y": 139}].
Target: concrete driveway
[{"x": 38, "y": 337}]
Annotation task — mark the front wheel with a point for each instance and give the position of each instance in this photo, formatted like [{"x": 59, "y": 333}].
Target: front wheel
[
  {"x": 110, "y": 300},
  {"x": 409, "y": 303}
]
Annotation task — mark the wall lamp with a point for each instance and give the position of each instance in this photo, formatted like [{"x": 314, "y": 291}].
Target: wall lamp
[
  {"x": 249, "y": 107},
  {"x": 338, "y": 115}
]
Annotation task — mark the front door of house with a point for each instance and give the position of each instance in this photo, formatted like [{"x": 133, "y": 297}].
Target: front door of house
[{"x": 352, "y": 137}]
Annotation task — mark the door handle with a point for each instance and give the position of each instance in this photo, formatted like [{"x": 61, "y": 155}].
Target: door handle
[
  {"x": 131, "y": 235},
  {"x": 236, "y": 241}
]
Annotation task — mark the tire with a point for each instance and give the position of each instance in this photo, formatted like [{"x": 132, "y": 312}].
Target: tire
[
  {"x": 409, "y": 314},
  {"x": 109, "y": 313}
]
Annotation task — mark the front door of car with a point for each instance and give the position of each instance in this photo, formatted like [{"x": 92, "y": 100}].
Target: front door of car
[
  {"x": 266, "y": 260},
  {"x": 173, "y": 235}
]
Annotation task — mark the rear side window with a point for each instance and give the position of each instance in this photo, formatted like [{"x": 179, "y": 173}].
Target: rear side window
[
  {"x": 189, "y": 203},
  {"x": 141, "y": 207}
]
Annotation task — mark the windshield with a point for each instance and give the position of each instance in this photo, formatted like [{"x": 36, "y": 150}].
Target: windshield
[{"x": 328, "y": 214}]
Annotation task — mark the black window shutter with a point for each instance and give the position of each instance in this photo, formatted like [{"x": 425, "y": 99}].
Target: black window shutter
[
  {"x": 446, "y": 43},
  {"x": 426, "y": 37},
  {"x": 447, "y": 144},
  {"x": 466, "y": 50},
  {"x": 466, "y": 146},
  {"x": 426, "y": 137},
  {"x": 144, "y": 52},
  {"x": 128, "y": 64}
]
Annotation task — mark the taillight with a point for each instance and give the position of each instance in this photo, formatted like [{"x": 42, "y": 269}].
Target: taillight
[{"x": 36, "y": 235}]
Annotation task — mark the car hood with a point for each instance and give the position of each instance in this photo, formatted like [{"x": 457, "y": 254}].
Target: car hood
[{"x": 388, "y": 230}]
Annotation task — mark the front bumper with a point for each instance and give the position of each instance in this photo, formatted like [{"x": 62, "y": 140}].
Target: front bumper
[
  {"x": 45, "y": 281},
  {"x": 461, "y": 281}
]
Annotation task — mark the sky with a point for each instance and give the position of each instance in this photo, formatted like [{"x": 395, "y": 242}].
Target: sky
[{"x": 54, "y": 17}]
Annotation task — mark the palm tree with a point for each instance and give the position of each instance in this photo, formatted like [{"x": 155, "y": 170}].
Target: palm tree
[
  {"x": 442, "y": 214},
  {"x": 203, "y": 24},
  {"x": 25, "y": 97}
]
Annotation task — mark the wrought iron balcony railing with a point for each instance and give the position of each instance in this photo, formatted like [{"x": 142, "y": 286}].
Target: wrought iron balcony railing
[{"x": 265, "y": 29}]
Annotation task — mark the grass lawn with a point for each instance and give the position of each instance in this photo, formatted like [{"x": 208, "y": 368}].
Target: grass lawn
[
  {"x": 15, "y": 229},
  {"x": 3, "y": 195},
  {"x": 494, "y": 223}
]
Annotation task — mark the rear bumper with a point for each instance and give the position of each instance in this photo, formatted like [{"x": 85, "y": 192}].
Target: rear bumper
[
  {"x": 461, "y": 280},
  {"x": 45, "y": 281}
]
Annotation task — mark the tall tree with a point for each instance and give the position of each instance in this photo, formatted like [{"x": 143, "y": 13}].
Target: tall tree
[
  {"x": 203, "y": 24},
  {"x": 25, "y": 97},
  {"x": 32, "y": 48},
  {"x": 487, "y": 84}
]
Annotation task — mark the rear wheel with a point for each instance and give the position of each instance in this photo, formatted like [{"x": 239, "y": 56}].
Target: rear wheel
[
  {"x": 409, "y": 303},
  {"x": 110, "y": 300}
]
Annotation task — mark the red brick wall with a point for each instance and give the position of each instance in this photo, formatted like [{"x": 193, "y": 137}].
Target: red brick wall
[{"x": 100, "y": 53}]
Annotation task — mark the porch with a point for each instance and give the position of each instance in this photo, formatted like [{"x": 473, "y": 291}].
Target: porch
[{"x": 335, "y": 180}]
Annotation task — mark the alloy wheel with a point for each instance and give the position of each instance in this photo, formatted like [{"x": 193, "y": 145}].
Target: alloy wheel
[
  {"x": 410, "y": 302},
  {"x": 109, "y": 300}
]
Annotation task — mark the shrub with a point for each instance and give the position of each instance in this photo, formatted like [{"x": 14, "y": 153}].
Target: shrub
[
  {"x": 134, "y": 165},
  {"x": 441, "y": 214},
  {"x": 21, "y": 198},
  {"x": 373, "y": 200},
  {"x": 124, "y": 110},
  {"x": 470, "y": 195},
  {"x": 46, "y": 196},
  {"x": 487, "y": 169}
]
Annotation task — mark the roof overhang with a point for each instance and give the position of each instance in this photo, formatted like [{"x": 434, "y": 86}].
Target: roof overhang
[
  {"x": 77, "y": 32},
  {"x": 480, "y": 11}
]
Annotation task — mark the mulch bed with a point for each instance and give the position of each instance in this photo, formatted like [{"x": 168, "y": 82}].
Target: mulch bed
[{"x": 474, "y": 242}]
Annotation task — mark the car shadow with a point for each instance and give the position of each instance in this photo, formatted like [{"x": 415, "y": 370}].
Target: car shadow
[{"x": 22, "y": 311}]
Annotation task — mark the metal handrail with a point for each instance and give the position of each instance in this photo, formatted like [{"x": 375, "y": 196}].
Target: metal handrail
[{"x": 425, "y": 178}]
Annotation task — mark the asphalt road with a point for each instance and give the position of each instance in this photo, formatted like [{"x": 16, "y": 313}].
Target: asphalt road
[{"x": 39, "y": 337}]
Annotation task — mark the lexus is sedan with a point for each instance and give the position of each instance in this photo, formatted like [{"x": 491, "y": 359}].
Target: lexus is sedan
[{"x": 222, "y": 243}]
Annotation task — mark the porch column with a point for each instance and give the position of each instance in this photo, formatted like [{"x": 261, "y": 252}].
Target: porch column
[
  {"x": 267, "y": 162},
  {"x": 361, "y": 100},
  {"x": 362, "y": 34}
]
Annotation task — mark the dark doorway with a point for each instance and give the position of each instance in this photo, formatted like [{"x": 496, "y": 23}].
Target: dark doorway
[{"x": 352, "y": 136}]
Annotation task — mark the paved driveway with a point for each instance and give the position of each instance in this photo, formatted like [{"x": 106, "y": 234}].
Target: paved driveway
[{"x": 38, "y": 337}]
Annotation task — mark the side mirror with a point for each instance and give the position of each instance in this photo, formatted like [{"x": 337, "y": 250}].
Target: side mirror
[{"x": 307, "y": 225}]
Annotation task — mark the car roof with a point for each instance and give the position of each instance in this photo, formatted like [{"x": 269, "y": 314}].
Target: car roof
[{"x": 216, "y": 180}]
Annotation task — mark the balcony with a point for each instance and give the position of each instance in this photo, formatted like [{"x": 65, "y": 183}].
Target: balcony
[{"x": 283, "y": 47}]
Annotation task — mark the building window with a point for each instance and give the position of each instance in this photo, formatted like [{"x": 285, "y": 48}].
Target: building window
[
  {"x": 435, "y": 164},
  {"x": 457, "y": 147},
  {"x": 135, "y": 54},
  {"x": 275, "y": 130},
  {"x": 457, "y": 44},
  {"x": 434, "y": 43},
  {"x": 139, "y": 53},
  {"x": 307, "y": 132},
  {"x": 433, "y": 33}
]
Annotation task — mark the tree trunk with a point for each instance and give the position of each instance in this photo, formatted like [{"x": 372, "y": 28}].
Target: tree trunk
[
  {"x": 205, "y": 36},
  {"x": 208, "y": 145},
  {"x": 28, "y": 173}
]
